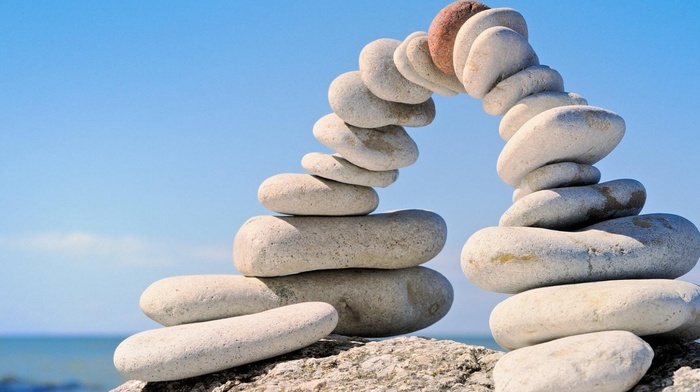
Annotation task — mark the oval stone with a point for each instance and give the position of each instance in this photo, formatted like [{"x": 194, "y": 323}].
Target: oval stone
[
  {"x": 609, "y": 361},
  {"x": 515, "y": 259},
  {"x": 406, "y": 69},
  {"x": 532, "y": 105},
  {"x": 557, "y": 175},
  {"x": 191, "y": 350},
  {"x": 380, "y": 149},
  {"x": 643, "y": 307},
  {"x": 581, "y": 134},
  {"x": 304, "y": 194},
  {"x": 337, "y": 168},
  {"x": 509, "y": 91},
  {"x": 278, "y": 246},
  {"x": 419, "y": 56},
  {"x": 401, "y": 301}
]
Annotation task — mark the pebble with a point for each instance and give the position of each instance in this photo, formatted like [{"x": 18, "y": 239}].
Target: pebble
[
  {"x": 557, "y": 175},
  {"x": 610, "y": 361},
  {"x": 337, "y": 168},
  {"x": 401, "y": 301},
  {"x": 497, "y": 53},
  {"x": 581, "y": 134},
  {"x": 515, "y": 259},
  {"x": 575, "y": 207},
  {"x": 532, "y": 105},
  {"x": 278, "y": 246},
  {"x": 643, "y": 307},
  {"x": 352, "y": 101},
  {"x": 406, "y": 69},
  {"x": 191, "y": 350},
  {"x": 383, "y": 79},
  {"x": 419, "y": 57},
  {"x": 509, "y": 91}
]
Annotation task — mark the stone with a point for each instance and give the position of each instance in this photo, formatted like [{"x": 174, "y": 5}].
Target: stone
[
  {"x": 509, "y": 91},
  {"x": 497, "y": 53},
  {"x": 406, "y": 69},
  {"x": 581, "y": 134},
  {"x": 401, "y": 301},
  {"x": 643, "y": 307},
  {"x": 190, "y": 350},
  {"x": 575, "y": 207},
  {"x": 475, "y": 25},
  {"x": 337, "y": 168},
  {"x": 352, "y": 101},
  {"x": 609, "y": 361},
  {"x": 443, "y": 31},
  {"x": 383, "y": 79},
  {"x": 278, "y": 245},
  {"x": 419, "y": 57},
  {"x": 515, "y": 259},
  {"x": 532, "y": 105},
  {"x": 386, "y": 148},
  {"x": 557, "y": 175},
  {"x": 304, "y": 194}
]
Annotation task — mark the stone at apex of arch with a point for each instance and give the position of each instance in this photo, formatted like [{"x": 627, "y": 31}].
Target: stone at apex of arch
[
  {"x": 509, "y": 91},
  {"x": 533, "y": 105},
  {"x": 421, "y": 62},
  {"x": 335, "y": 167},
  {"x": 557, "y": 175},
  {"x": 406, "y": 68}
]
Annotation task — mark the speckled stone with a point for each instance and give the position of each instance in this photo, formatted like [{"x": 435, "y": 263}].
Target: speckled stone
[
  {"x": 352, "y": 101},
  {"x": 190, "y": 350},
  {"x": 515, "y": 259},
  {"x": 532, "y": 105},
  {"x": 509, "y": 91},
  {"x": 277, "y": 246},
  {"x": 406, "y": 69},
  {"x": 557, "y": 175},
  {"x": 380, "y": 149},
  {"x": 336, "y": 168},
  {"x": 304, "y": 194},
  {"x": 419, "y": 57}
]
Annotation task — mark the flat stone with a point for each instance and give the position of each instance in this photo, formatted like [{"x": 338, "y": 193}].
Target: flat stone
[
  {"x": 531, "y": 80},
  {"x": 401, "y": 301},
  {"x": 443, "y": 31},
  {"x": 379, "y": 149},
  {"x": 581, "y": 134},
  {"x": 383, "y": 79},
  {"x": 352, "y": 101},
  {"x": 532, "y": 105},
  {"x": 515, "y": 259},
  {"x": 475, "y": 25},
  {"x": 497, "y": 53},
  {"x": 643, "y": 307},
  {"x": 190, "y": 350},
  {"x": 304, "y": 194},
  {"x": 574, "y": 207},
  {"x": 557, "y": 175},
  {"x": 419, "y": 57},
  {"x": 337, "y": 168},
  {"x": 406, "y": 69},
  {"x": 609, "y": 361},
  {"x": 277, "y": 246}
]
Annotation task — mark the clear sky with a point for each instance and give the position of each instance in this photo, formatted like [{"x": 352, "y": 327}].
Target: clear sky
[{"x": 134, "y": 135}]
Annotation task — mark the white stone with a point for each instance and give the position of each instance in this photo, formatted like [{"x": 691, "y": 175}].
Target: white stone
[
  {"x": 278, "y": 246},
  {"x": 531, "y": 80},
  {"x": 190, "y": 350},
  {"x": 581, "y": 134},
  {"x": 419, "y": 56},
  {"x": 406, "y": 69},
  {"x": 532, "y": 105},
  {"x": 337, "y": 168},
  {"x": 515, "y": 259},
  {"x": 304, "y": 194},
  {"x": 610, "y": 361},
  {"x": 352, "y": 101},
  {"x": 380, "y": 149},
  {"x": 497, "y": 53},
  {"x": 383, "y": 79},
  {"x": 557, "y": 175}
]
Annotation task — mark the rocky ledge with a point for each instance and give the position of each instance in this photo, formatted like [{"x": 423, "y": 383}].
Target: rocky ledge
[{"x": 340, "y": 363}]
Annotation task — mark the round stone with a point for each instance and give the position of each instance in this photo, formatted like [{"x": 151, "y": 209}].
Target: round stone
[
  {"x": 419, "y": 57},
  {"x": 406, "y": 69},
  {"x": 509, "y": 91},
  {"x": 337, "y": 168},
  {"x": 557, "y": 175},
  {"x": 532, "y": 105}
]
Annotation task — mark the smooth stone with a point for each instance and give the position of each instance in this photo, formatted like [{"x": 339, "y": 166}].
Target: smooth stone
[
  {"x": 575, "y": 207},
  {"x": 191, "y": 350},
  {"x": 532, "y": 105},
  {"x": 406, "y": 69},
  {"x": 419, "y": 57},
  {"x": 401, "y": 301},
  {"x": 515, "y": 259},
  {"x": 497, "y": 53},
  {"x": 277, "y": 245},
  {"x": 443, "y": 31},
  {"x": 383, "y": 79},
  {"x": 304, "y": 194},
  {"x": 509, "y": 91},
  {"x": 581, "y": 134},
  {"x": 381, "y": 149},
  {"x": 337, "y": 168},
  {"x": 352, "y": 101},
  {"x": 610, "y": 361},
  {"x": 506, "y": 17},
  {"x": 643, "y": 307},
  {"x": 557, "y": 175}
]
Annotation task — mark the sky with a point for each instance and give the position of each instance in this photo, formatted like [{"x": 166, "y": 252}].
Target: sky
[{"x": 134, "y": 136}]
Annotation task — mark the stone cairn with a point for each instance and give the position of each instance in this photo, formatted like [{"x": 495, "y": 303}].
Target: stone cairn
[{"x": 590, "y": 275}]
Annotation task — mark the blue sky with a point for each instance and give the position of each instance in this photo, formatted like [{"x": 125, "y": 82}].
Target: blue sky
[{"x": 134, "y": 135}]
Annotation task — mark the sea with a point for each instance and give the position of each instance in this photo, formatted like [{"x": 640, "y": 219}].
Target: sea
[{"x": 84, "y": 363}]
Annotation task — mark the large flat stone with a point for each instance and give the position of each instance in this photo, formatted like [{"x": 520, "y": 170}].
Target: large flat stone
[
  {"x": 531, "y": 80},
  {"x": 337, "y": 168},
  {"x": 532, "y": 105},
  {"x": 557, "y": 175}
]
